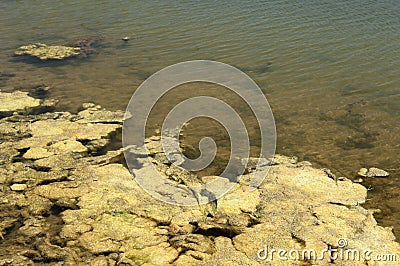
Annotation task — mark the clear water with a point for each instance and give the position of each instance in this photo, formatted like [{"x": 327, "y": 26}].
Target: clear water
[{"x": 330, "y": 69}]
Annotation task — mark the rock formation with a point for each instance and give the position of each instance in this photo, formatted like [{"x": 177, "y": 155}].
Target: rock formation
[{"x": 68, "y": 199}]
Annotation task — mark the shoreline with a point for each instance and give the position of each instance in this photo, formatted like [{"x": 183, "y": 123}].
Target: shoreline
[{"x": 67, "y": 197}]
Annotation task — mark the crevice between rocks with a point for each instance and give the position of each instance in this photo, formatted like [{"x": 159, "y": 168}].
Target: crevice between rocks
[{"x": 216, "y": 232}]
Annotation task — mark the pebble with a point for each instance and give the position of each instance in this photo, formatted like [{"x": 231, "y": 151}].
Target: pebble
[
  {"x": 376, "y": 172},
  {"x": 363, "y": 172},
  {"x": 372, "y": 172},
  {"x": 18, "y": 187}
]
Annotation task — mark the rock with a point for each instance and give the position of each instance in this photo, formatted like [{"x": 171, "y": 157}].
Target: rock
[
  {"x": 50, "y": 251},
  {"x": 239, "y": 200},
  {"x": 74, "y": 231},
  {"x": 16, "y": 260},
  {"x": 101, "y": 261},
  {"x": 46, "y": 52},
  {"x": 67, "y": 133},
  {"x": 59, "y": 162},
  {"x": 12, "y": 132},
  {"x": 88, "y": 105},
  {"x": 37, "y": 153},
  {"x": 363, "y": 172},
  {"x": 358, "y": 180},
  {"x": 7, "y": 152},
  {"x": 18, "y": 187},
  {"x": 252, "y": 163},
  {"x": 185, "y": 260},
  {"x": 6, "y": 224},
  {"x": 61, "y": 130},
  {"x": 33, "y": 227},
  {"x": 280, "y": 159},
  {"x": 15, "y": 102},
  {"x": 194, "y": 242},
  {"x": 83, "y": 209},
  {"x": 60, "y": 190},
  {"x": 93, "y": 115},
  {"x": 88, "y": 45},
  {"x": 66, "y": 146},
  {"x": 38, "y": 205},
  {"x": 161, "y": 254},
  {"x": 372, "y": 172},
  {"x": 376, "y": 172},
  {"x": 96, "y": 243},
  {"x": 227, "y": 254}
]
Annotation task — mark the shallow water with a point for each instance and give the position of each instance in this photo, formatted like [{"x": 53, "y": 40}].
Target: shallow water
[{"x": 330, "y": 69}]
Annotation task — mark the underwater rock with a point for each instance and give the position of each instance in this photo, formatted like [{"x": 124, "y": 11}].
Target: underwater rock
[
  {"x": 47, "y": 52},
  {"x": 376, "y": 172},
  {"x": 87, "y": 45},
  {"x": 4, "y": 78},
  {"x": 363, "y": 172},
  {"x": 372, "y": 172}
]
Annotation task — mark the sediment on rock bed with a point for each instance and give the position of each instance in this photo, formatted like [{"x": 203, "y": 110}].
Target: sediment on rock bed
[{"x": 63, "y": 201}]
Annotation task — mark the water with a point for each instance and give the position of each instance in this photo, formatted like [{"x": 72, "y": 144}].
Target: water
[{"x": 330, "y": 69}]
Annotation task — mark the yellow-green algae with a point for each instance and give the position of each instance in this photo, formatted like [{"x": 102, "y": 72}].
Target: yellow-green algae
[{"x": 46, "y": 52}]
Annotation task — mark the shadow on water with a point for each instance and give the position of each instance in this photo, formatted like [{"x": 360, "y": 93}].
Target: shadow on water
[{"x": 34, "y": 61}]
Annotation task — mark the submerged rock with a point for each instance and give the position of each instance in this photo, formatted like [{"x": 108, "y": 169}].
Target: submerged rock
[
  {"x": 372, "y": 172},
  {"x": 87, "y": 45},
  {"x": 46, "y": 52}
]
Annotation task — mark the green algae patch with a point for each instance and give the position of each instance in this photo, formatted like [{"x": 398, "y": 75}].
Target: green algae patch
[{"x": 48, "y": 52}]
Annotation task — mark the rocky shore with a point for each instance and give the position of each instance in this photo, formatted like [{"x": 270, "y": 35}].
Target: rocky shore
[{"x": 68, "y": 199}]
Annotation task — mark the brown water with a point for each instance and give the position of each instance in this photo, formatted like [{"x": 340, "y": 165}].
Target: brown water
[{"x": 330, "y": 70}]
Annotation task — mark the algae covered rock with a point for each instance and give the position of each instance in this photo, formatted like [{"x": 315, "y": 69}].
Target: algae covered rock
[
  {"x": 68, "y": 199},
  {"x": 47, "y": 52},
  {"x": 16, "y": 101}
]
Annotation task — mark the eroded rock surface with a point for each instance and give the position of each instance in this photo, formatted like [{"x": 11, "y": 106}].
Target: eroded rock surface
[
  {"x": 67, "y": 198},
  {"x": 16, "y": 101}
]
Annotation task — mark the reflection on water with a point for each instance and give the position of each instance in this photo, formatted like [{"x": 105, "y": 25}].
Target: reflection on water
[{"x": 328, "y": 68}]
